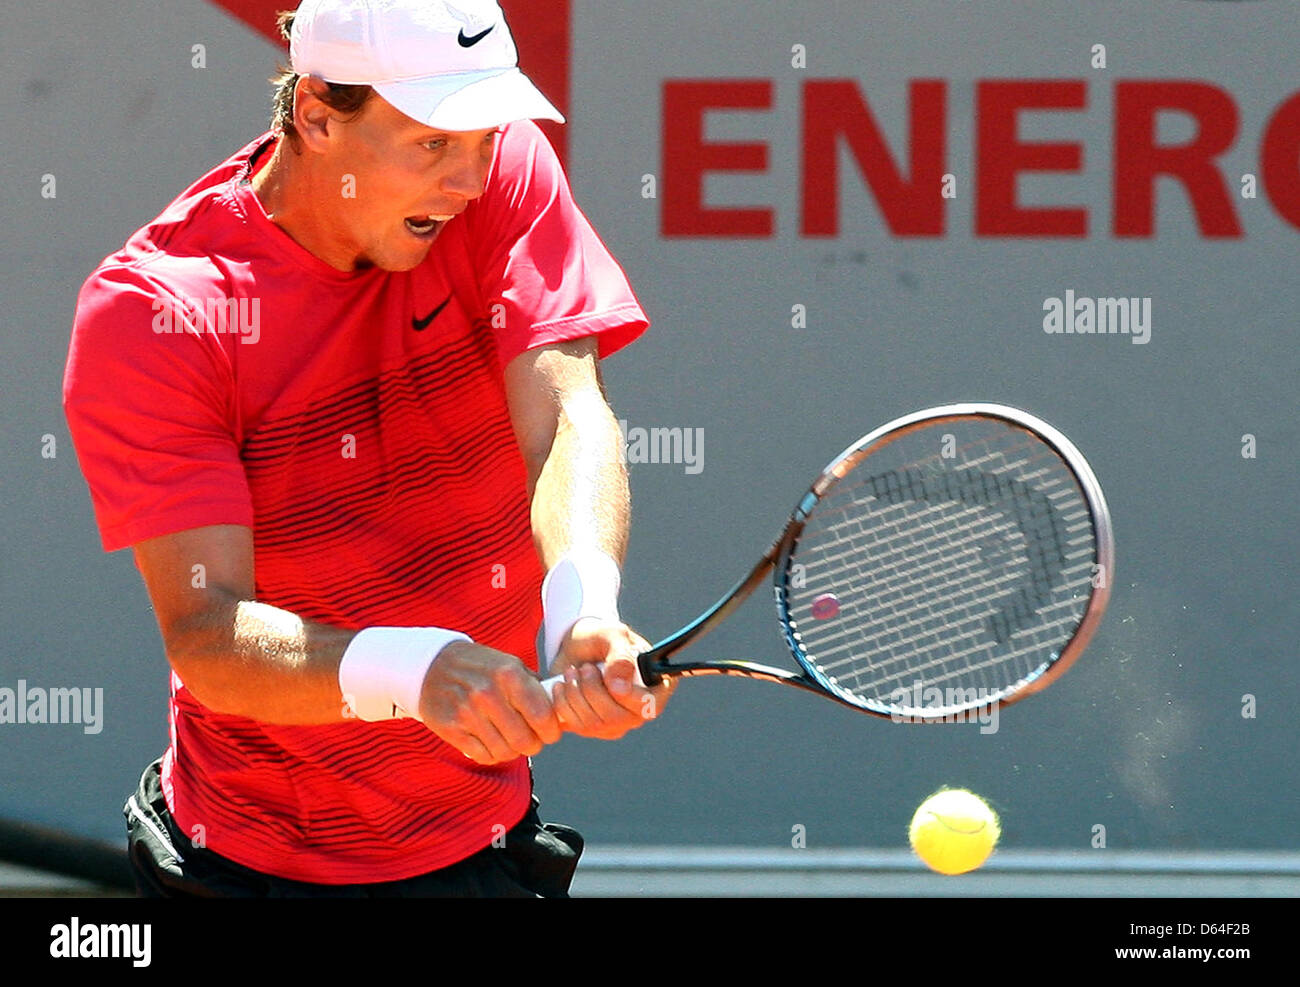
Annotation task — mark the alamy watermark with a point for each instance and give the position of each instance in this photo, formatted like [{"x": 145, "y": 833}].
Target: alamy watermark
[
  {"x": 967, "y": 705},
  {"x": 680, "y": 446},
  {"x": 1083, "y": 315},
  {"x": 75, "y": 940},
  {"x": 25, "y": 705},
  {"x": 219, "y": 315}
]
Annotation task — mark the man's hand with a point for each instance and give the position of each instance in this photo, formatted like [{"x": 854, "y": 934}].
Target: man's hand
[
  {"x": 487, "y": 704},
  {"x": 599, "y": 696}
]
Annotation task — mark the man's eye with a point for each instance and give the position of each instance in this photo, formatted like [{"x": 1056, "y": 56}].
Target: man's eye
[{"x": 436, "y": 144}]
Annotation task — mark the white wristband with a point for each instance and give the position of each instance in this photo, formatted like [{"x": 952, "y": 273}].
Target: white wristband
[
  {"x": 383, "y": 669},
  {"x": 585, "y": 583}
]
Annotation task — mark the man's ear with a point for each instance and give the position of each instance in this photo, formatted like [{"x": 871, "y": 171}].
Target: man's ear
[{"x": 312, "y": 118}]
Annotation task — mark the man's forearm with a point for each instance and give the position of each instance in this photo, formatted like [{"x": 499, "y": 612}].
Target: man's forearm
[
  {"x": 581, "y": 498},
  {"x": 251, "y": 659},
  {"x": 581, "y": 511}
]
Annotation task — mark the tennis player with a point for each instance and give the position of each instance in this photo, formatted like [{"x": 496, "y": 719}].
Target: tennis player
[{"x": 343, "y": 399}]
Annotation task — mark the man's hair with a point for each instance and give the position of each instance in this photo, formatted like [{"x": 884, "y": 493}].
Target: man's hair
[{"x": 345, "y": 99}]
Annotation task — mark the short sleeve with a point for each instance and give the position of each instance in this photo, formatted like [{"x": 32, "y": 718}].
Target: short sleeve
[
  {"x": 536, "y": 256},
  {"x": 151, "y": 408}
]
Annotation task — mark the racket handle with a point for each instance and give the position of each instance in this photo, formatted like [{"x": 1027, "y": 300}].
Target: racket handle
[{"x": 549, "y": 684}]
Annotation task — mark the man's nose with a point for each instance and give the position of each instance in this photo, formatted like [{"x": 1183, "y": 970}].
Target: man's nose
[{"x": 466, "y": 176}]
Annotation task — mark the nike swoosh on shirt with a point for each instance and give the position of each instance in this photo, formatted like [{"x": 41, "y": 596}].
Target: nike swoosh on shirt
[
  {"x": 470, "y": 42},
  {"x": 419, "y": 325}
]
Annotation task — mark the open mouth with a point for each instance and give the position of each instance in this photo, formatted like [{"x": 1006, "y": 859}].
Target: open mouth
[{"x": 424, "y": 227}]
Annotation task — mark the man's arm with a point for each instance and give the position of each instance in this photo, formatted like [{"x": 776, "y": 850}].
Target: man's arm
[
  {"x": 580, "y": 501},
  {"x": 245, "y": 658},
  {"x": 571, "y": 445}
]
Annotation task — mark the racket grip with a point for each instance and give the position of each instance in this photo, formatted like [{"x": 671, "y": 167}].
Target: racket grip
[{"x": 549, "y": 684}]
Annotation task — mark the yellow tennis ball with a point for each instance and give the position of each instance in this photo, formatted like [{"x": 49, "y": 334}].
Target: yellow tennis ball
[{"x": 954, "y": 831}]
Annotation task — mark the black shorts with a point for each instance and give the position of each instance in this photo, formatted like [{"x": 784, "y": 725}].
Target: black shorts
[{"x": 538, "y": 860}]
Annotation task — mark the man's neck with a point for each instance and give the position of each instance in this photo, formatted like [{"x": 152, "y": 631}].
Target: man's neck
[{"x": 280, "y": 186}]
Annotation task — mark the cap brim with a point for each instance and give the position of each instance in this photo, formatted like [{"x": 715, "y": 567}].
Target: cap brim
[{"x": 471, "y": 100}]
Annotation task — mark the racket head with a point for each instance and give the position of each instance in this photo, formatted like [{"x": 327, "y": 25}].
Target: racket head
[{"x": 951, "y": 560}]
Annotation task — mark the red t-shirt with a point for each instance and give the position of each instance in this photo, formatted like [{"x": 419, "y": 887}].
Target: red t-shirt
[{"x": 219, "y": 373}]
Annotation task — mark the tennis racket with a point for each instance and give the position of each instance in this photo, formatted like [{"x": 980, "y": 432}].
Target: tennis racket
[{"x": 953, "y": 559}]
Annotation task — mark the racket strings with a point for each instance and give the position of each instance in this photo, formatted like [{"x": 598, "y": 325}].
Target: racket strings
[
  {"x": 908, "y": 602},
  {"x": 933, "y": 623},
  {"x": 957, "y": 566},
  {"x": 923, "y": 552},
  {"x": 893, "y": 594}
]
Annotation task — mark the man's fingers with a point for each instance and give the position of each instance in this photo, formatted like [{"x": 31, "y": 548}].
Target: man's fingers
[
  {"x": 529, "y": 699},
  {"x": 499, "y": 746},
  {"x": 586, "y": 717},
  {"x": 587, "y": 708},
  {"x": 560, "y": 703},
  {"x": 502, "y": 719},
  {"x": 487, "y": 704},
  {"x": 603, "y": 695},
  {"x": 570, "y": 707},
  {"x": 623, "y": 683},
  {"x": 518, "y": 710},
  {"x": 611, "y": 694},
  {"x": 468, "y": 745},
  {"x": 519, "y": 737}
]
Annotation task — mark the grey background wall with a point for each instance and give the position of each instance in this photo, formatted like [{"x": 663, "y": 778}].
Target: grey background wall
[{"x": 1146, "y": 735}]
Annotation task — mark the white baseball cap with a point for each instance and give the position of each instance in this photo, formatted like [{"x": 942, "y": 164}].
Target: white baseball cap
[{"x": 449, "y": 65}]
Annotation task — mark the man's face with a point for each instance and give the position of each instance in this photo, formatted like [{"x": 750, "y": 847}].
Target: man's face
[{"x": 406, "y": 180}]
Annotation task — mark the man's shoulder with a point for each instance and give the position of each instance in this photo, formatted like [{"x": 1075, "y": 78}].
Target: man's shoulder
[
  {"x": 526, "y": 180},
  {"x": 526, "y": 157},
  {"x": 156, "y": 277},
  {"x": 521, "y": 135},
  {"x": 174, "y": 253}
]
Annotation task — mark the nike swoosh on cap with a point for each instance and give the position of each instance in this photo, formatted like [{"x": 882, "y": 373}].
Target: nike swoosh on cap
[{"x": 470, "y": 42}]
